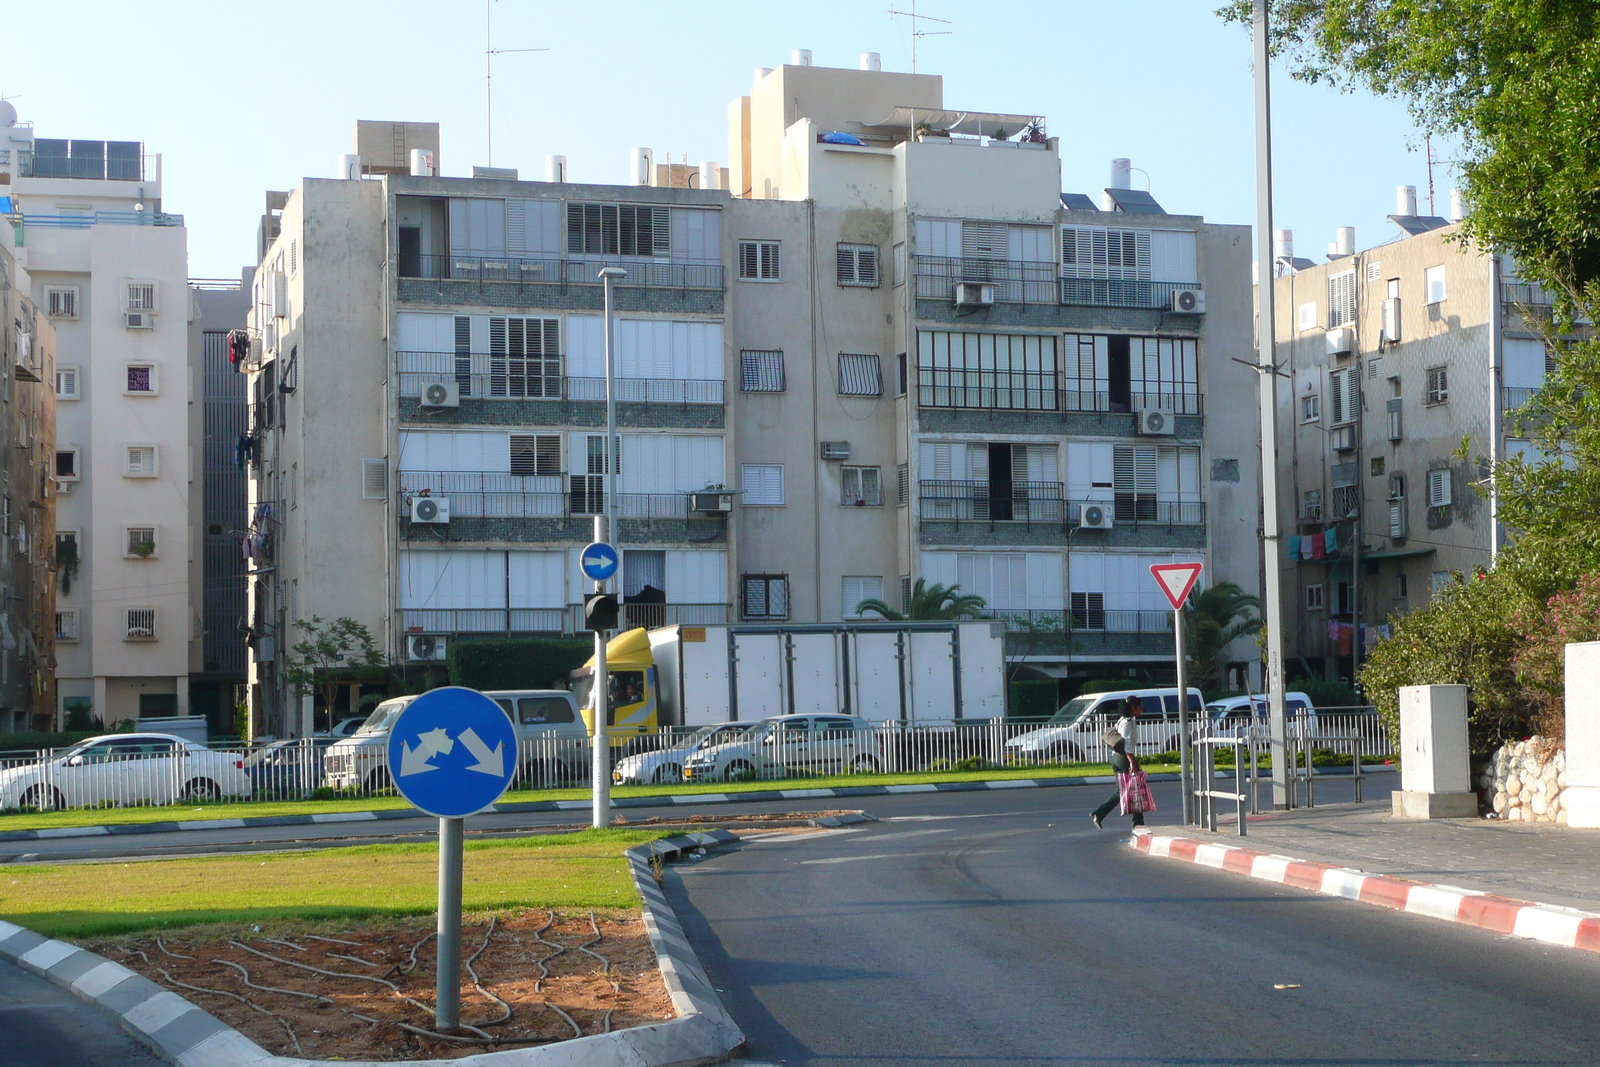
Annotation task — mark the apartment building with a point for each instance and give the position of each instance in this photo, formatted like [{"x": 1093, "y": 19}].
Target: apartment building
[
  {"x": 108, "y": 270},
  {"x": 27, "y": 497},
  {"x": 1395, "y": 355},
  {"x": 879, "y": 345}
]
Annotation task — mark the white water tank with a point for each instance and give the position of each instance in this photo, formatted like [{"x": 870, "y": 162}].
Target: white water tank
[
  {"x": 555, "y": 168},
  {"x": 422, "y": 163},
  {"x": 710, "y": 176},
  {"x": 643, "y": 171},
  {"x": 871, "y": 61},
  {"x": 1405, "y": 200},
  {"x": 801, "y": 57},
  {"x": 1121, "y": 174},
  {"x": 1282, "y": 244},
  {"x": 1458, "y": 205},
  {"x": 762, "y": 72},
  {"x": 1345, "y": 241},
  {"x": 350, "y": 166}
]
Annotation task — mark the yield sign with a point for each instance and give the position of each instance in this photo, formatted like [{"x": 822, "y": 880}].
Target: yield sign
[{"x": 1176, "y": 580}]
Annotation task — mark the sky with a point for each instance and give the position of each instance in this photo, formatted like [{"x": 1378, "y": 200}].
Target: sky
[{"x": 240, "y": 98}]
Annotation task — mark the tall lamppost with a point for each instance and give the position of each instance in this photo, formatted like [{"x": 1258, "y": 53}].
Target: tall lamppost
[{"x": 604, "y": 530}]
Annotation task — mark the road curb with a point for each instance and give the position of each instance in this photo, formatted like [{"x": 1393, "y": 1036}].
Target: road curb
[
  {"x": 1547, "y": 923},
  {"x": 189, "y": 1036}
]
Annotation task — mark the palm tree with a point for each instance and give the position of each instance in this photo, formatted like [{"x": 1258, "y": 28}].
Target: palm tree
[
  {"x": 1212, "y": 620},
  {"x": 929, "y": 602}
]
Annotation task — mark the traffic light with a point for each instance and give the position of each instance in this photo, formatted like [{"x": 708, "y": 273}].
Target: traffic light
[{"x": 600, "y": 611}]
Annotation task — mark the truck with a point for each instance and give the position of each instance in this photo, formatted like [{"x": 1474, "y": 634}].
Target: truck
[{"x": 904, "y": 672}]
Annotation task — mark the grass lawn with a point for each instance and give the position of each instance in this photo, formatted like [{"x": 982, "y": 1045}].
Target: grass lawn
[
  {"x": 253, "y": 809},
  {"x": 581, "y": 870}
]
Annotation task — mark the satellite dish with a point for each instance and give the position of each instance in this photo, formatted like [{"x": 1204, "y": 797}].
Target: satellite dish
[{"x": 8, "y": 113}]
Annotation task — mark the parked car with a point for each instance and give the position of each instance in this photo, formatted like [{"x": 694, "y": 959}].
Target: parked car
[
  {"x": 344, "y": 727},
  {"x": 361, "y": 761},
  {"x": 1233, "y": 712},
  {"x": 788, "y": 745},
  {"x": 666, "y": 764},
  {"x": 125, "y": 769},
  {"x": 287, "y": 768},
  {"x": 1073, "y": 733}
]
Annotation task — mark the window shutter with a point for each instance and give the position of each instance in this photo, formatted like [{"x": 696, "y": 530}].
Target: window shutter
[
  {"x": 846, "y": 261},
  {"x": 903, "y": 484},
  {"x": 860, "y": 375},
  {"x": 374, "y": 479},
  {"x": 141, "y": 461},
  {"x": 1342, "y": 299},
  {"x": 761, "y": 371},
  {"x": 1439, "y": 488},
  {"x": 984, "y": 240}
]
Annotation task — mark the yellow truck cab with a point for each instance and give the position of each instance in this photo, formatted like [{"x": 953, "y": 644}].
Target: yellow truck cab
[{"x": 633, "y": 704}]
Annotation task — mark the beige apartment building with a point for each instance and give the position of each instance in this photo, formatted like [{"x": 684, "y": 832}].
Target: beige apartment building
[
  {"x": 879, "y": 345},
  {"x": 1394, "y": 356}
]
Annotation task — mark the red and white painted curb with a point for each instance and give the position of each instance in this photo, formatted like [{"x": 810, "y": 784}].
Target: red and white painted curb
[{"x": 1553, "y": 925}]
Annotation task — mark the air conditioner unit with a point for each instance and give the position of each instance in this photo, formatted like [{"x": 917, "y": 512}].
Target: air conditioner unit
[
  {"x": 1341, "y": 341},
  {"x": 974, "y": 294},
  {"x": 425, "y": 648},
  {"x": 1391, "y": 321},
  {"x": 1343, "y": 438},
  {"x": 711, "y": 502},
  {"x": 1157, "y": 422},
  {"x": 434, "y": 509},
  {"x": 1397, "y": 518},
  {"x": 1094, "y": 517},
  {"x": 836, "y": 450},
  {"x": 138, "y": 320},
  {"x": 64, "y": 488},
  {"x": 1189, "y": 301},
  {"x": 441, "y": 395}
]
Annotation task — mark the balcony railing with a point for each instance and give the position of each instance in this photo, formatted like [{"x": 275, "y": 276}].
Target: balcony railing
[
  {"x": 499, "y": 495},
  {"x": 1014, "y": 281},
  {"x": 1514, "y": 396},
  {"x": 1346, "y": 501},
  {"x": 568, "y": 619},
  {"x": 492, "y": 376},
  {"x": 642, "y": 274},
  {"x": 985, "y": 501},
  {"x": 1526, "y": 294},
  {"x": 1120, "y": 292},
  {"x": 98, "y": 166},
  {"x": 82, "y": 220},
  {"x": 1093, "y": 620},
  {"x": 1027, "y": 390},
  {"x": 1180, "y": 403},
  {"x": 1143, "y": 508}
]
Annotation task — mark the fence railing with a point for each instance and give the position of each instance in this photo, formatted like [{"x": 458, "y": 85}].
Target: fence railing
[
  {"x": 1074, "y": 399},
  {"x": 992, "y": 501},
  {"x": 517, "y": 270},
  {"x": 1514, "y": 396},
  {"x": 490, "y": 494},
  {"x": 1028, "y": 390},
  {"x": 1527, "y": 294},
  {"x": 1120, "y": 292},
  {"x": 133, "y": 167},
  {"x": 1014, "y": 281},
  {"x": 83, "y": 220},
  {"x": 495, "y": 376}
]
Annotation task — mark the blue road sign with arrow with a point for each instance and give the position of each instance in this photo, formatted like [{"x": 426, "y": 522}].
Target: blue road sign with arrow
[
  {"x": 598, "y": 561},
  {"x": 452, "y": 752}
]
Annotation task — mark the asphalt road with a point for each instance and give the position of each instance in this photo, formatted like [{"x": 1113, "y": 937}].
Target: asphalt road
[
  {"x": 1002, "y": 928},
  {"x": 45, "y": 1026}
]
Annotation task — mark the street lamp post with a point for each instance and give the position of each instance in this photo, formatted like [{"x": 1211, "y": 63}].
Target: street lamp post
[{"x": 604, "y": 531}]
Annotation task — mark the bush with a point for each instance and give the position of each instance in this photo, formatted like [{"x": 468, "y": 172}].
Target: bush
[
  {"x": 1034, "y": 698},
  {"x": 516, "y": 662},
  {"x": 1566, "y": 618},
  {"x": 1110, "y": 685},
  {"x": 1325, "y": 694}
]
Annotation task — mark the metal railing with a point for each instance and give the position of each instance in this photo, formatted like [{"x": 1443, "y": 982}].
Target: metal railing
[
  {"x": 498, "y": 495},
  {"x": 1141, "y": 508},
  {"x": 1514, "y": 396},
  {"x": 1027, "y": 390},
  {"x": 493, "y": 376},
  {"x": 1344, "y": 502},
  {"x": 132, "y": 168},
  {"x": 1014, "y": 281},
  {"x": 642, "y": 274},
  {"x": 986, "y": 501},
  {"x": 1073, "y": 399},
  {"x": 1526, "y": 294},
  {"x": 484, "y": 620},
  {"x": 1120, "y": 292},
  {"x": 83, "y": 220}
]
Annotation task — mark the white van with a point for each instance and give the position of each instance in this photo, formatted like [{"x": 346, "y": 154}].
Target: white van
[
  {"x": 1073, "y": 733},
  {"x": 1233, "y": 712}
]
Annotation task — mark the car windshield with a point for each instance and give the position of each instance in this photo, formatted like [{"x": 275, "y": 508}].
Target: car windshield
[
  {"x": 381, "y": 718},
  {"x": 721, "y": 734},
  {"x": 1073, "y": 710}
]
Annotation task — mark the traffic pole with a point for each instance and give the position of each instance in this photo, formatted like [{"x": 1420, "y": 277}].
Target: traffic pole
[
  {"x": 1185, "y": 778},
  {"x": 447, "y": 969},
  {"x": 600, "y": 756}
]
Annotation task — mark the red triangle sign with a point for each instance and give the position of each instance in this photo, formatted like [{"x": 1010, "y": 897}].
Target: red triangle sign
[{"x": 1176, "y": 580}]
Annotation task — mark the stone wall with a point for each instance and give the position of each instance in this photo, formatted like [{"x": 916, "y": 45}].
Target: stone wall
[{"x": 1524, "y": 781}]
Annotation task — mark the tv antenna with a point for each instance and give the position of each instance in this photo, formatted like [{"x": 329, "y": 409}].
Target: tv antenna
[
  {"x": 489, "y": 52},
  {"x": 916, "y": 32},
  {"x": 1428, "y": 141}
]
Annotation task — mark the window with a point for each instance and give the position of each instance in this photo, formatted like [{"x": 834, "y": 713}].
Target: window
[
  {"x": 1311, "y": 505},
  {"x": 1314, "y": 598},
  {"x": 861, "y": 487},
  {"x": 1310, "y": 408},
  {"x": 1134, "y": 477},
  {"x": 1439, "y": 488},
  {"x": 141, "y": 296},
  {"x": 1438, "y": 391},
  {"x": 859, "y": 375},
  {"x": 1439, "y": 581},
  {"x": 140, "y": 380},
  {"x": 761, "y": 371},
  {"x": 1344, "y": 391},
  {"x": 1378, "y": 466},
  {"x": 1401, "y": 588},
  {"x": 618, "y": 230},
  {"x": 1433, "y": 285},
  {"x": 141, "y": 624},
  {"x": 66, "y": 383},
  {"x": 139, "y": 461},
  {"x": 374, "y": 479},
  {"x": 1374, "y": 368},
  {"x": 1342, "y": 299},
  {"x": 902, "y": 491},
  {"x": 67, "y": 465},
  {"x": 906, "y": 587},
  {"x": 762, "y": 484},
  {"x": 61, "y": 301},
  {"x": 139, "y": 542},
  {"x": 1392, "y": 287},
  {"x": 986, "y": 370},
  {"x": 856, "y": 589},
  {"x": 294, "y": 256},
  {"x": 588, "y": 484},
  {"x": 758, "y": 261},
  {"x": 1308, "y": 316},
  {"x": 1088, "y": 611},
  {"x": 534, "y": 455},
  {"x": 764, "y": 596},
  {"x": 900, "y": 263},
  {"x": 524, "y": 358},
  {"x": 1374, "y": 270},
  {"x": 1096, "y": 252},
  {"x": 66, "y": 626},
  {"x": 900, "y": 374},
  {"x": 858, "y": 265}
]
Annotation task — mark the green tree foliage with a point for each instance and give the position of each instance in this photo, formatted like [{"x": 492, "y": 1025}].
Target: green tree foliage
[
  {"x": 1214, "y": 618},
  {"x": 1540, "y": 664},
  {"x": 1034, "y": 698},
  {"x": 328, "y": 653},
  {"x": 1514, "y": 80},
  {"x": 929, "y": 602},
  {"x": 516, "y": 662}
]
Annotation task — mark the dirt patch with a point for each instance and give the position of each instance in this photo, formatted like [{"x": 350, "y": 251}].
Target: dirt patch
[{"x": 352, "y": 991}]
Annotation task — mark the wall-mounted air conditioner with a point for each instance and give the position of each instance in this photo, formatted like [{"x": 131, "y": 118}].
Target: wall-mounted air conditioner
[
  {"x": 1397, "y": 517},
  {"x": 836, "y": 450},
  {"x": 1340, "y": 341},
  {"x": 441, "y": 395},
  {"x": 138, "y": 320},
  {"x": 711, "y": 502},
  {"x": 1391, "y": 321},
  {"x": 430, "y": 509},
  {"x": 425, "y": 648},
  {"x": 1157, "y": 422},
  {"x": 974, "y": 294},
  {"x": 1094, "y": 517},
  {"x": 1189, "y": 301},
  {"x": 1343, "y": 438}
]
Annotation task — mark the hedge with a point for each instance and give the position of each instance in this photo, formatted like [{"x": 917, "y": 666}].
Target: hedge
[
  {"x": 1034, "y": 698},
  {"x": 516, "y": 662}
]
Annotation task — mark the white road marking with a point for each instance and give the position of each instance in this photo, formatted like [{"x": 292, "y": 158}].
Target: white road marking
[
  {"x": 897, "y": 855},
  {"x": 941, "y": 818},
  {"x": 899, "y": 834}
]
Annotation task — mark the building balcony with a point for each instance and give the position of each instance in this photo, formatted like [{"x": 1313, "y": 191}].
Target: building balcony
[
  {"x": 487, "y": 376},
  {"x": 1044, "y": 503},
  {"x": 553, "y": 620},
  {"x": 82, "y": 220},
  {"x": 1120, "y": 292},
  {"x": 499, "y": 495},
  {"x": 1023, "y": 390},
  {"x": 1526, "y": 294},
  {"x": 1514, "y": 396},
  {"x": 115, "y": 161},
  {"x": 1023, "y": 282},
  {"x": 487, "y": 270}
]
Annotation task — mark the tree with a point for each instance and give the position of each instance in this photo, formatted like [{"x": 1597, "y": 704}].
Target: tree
[
  {"x": 929, "y": 602},
  {"x": 1514, "y": 80},
  {"x": 1213, "y": 619},
  {"x": 326, "y": 650}
]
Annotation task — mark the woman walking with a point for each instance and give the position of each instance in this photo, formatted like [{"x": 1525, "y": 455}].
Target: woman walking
[{"x": 1132, "y": 794}]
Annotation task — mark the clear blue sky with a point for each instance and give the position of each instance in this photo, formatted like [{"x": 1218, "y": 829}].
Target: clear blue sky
[{"x": 241, "y": 98}]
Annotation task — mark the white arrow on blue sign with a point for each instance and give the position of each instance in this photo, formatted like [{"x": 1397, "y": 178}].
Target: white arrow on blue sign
[
  {"x": 598, "y": 561},
  {"x": 452, "y": 752}
]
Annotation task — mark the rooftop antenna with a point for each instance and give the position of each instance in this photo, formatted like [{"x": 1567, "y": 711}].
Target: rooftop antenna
[
  {"x": 915, "y": 32},
  {"x": 489, "y": 52},
  {"x": 1428, "y": 141}
]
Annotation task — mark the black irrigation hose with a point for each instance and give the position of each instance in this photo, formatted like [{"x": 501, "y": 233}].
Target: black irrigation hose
[
  {"x": 168, "y": 951},
  {"x": 319, "y": 998},
  {"x": 544, "y": 972},
  {"x": 334, "y": 974},
  {"x": 287, "y": 944},
  {"x": 477, "y": 983},
  {"x": 485, "y": 1040},
  {"x": 331, "y": 940},
  {"x": 242, "y": 1000},
  {"x": 616, "y": 986},
  {"x": 357, "y": 959},
  {"x": 411, "y": 964}
]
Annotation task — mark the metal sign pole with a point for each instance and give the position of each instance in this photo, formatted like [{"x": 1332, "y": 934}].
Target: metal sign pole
[
  {"x": 605, "y": 526},
  {"x": 1185, "y": 765},
  {"x": 447, "y": 970},
  {"x": 600, "y": 763}
]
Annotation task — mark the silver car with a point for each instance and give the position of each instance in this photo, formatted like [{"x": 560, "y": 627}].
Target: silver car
[
  {"x": 789, "y": 746},
  {"x": 666, "y": 764}
]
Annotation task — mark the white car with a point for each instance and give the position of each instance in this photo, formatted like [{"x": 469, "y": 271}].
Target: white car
[
  {"x": 1073, "y": 733},
  {"x": 790, "y": 745},
  {"x": 666, "y": 764},
  {"x": 125, "y": 769},
  {"x": 361, "y": 761},
  {"x": 1233, "y": 712}
]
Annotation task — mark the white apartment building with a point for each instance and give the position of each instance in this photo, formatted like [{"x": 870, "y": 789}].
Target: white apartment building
[{"x": 109, "y": 269}]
